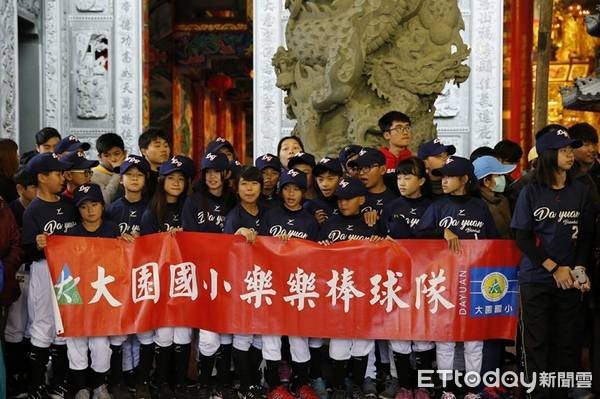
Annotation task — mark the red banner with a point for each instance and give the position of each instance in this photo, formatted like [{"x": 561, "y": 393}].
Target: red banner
[{"x": 405, "y": 289}]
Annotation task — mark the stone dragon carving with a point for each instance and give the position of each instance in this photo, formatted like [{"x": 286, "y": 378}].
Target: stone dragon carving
[{"x": 348, "y": 62}]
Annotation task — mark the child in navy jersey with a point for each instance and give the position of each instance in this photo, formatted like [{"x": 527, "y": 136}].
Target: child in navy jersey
[
  {"x": 553, "y": 227},
  {"x": 456, "y": 216},
  {"x": 127, "y": 212},
  {"x": 205, "y": 210},
  {"x": 305, "y": 163},
  {"x": 90, "y": 204},
  {"x": 46, "y": 215},
  {"x": 80, "y": 172},
  {"x": 26, "y": 189},
  {"x": 349, "y": 225},
  {"x": 370, "y": 165},
  {"x": 400, "y": 217},
  {"x": 270, "y": 167},
  {"x": 328, "y": 173},
  {"x": 289, "y": 220},
  {"x": 164, "y": 214}
]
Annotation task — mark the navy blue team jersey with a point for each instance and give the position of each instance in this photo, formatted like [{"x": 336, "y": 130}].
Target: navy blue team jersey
[
  {"x": 46, "y": 217},
  {"x": 106, "y": 230},
  {"x": 402, "y": 215},
  {"x": 329, "y": 205},
  {"x": 466, "y": 216},
  {"x": 17, "y": 209},
  {"x": 346, "y": 228},
  {"x": 280, "y": 220},
  {"x": 127, "y": 215},
  {"x": 376, "y": 202},
  {"x": 269, "y": 201},
  {"x": 150, "y": 224},
  {"x": 239, "y": 217},
  {"x": 204, "y": 213},
  {"x": 557, "y": 218}
]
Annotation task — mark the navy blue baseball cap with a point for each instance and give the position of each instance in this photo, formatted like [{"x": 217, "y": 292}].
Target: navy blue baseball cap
[
  {"x": 350, "y": 187},
  {"x": 349, "y": 151},
  {"x": 188, "y": 165},
  {"x": 217, "y": 144},
  {"x": 79, "y": 162},
  {"x": 302, "y": 157},
  {"x": 236, "y": 168},
  {"x": 175, "y": 164},
  {"x": 70, "y": 143},
  {"x": 134, "y": 161},
  {"x": 268, "y": 161},
  {"x": 455, "y": 166},
  {"x": 87, "y": 192},
  {"x": 434, "y": 147},
  {"x": 215, "y": 160},
  {"x": 332, "y": 165},
  {"x": 368, "y": 157},
  {"x": 556, "y": 137},
  {"x": 293, "y": 176},
  {"x": 47, "y": 162}
]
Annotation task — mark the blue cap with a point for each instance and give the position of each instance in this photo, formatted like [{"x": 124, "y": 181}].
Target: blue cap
[
  {"x": 87, "y": 192},
  {"x": 489, "y": 165},
  {"x": 236, "y": 168},
  {"x": 69, "y": 144},
  {"x": 47, "y": 162},
  {"x": 293, "y": 176},
  {"x": 350, "y": 187},
  {"x": 368, "y": 157},
  {"x": 302, "y": 157},
  {"x": 555, "y": 138},
  {"x": 175, "y": 164},
  {"x": 218, "y": 143},
  {"x": 348, "y": 152},
  {"x": 435, "y": 147},
  {"x": 188, "y": 165},
  {"x": 78, "y": 161},
  {"x": 268, "y": 161},
  {"x": 134, "y": 161},
  {"x": 328, "y": 164},
  {"x": 455, "y": 166},
  {"x": 215, "y": 160}
]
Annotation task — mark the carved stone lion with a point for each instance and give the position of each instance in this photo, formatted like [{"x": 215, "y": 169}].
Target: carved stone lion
[{"x": 350, "y": 61}]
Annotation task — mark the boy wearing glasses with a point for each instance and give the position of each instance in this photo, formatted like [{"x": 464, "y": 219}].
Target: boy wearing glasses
[
  {"x": 80, "y": 172},
  {"x": 395, "y": 127}
]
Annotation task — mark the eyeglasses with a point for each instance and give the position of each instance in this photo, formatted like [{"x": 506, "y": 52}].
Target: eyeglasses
[
  {"x": 85, "y": 172},
  {"x": 366, "y": 169},
  {"x": 400, "y": 129}
]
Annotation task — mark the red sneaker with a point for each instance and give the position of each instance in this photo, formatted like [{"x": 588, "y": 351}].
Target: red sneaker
[
  {"x": 306, "y": 392},
  {"x": 280, "y": 393}
]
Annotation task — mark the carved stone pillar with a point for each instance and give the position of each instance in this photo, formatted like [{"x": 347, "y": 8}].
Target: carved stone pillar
[
  {"x": 92, "y": 68},
  {"x": 9, "y": 124}
]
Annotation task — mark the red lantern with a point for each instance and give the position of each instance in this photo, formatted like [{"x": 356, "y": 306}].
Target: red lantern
[{"x": 220, "y": 83}]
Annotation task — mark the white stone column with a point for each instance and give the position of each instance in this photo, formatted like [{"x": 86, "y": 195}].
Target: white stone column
[{"x": 9, "y": 121}]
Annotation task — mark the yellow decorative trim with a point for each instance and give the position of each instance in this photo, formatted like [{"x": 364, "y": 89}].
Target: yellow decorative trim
[{"x": 228, "y": 27}]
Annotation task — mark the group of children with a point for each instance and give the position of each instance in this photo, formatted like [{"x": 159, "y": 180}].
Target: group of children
[{"x": 364, "y": 194}]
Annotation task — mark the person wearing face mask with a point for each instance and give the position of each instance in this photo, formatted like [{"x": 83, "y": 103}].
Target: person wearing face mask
[{"x": 492, "y": 183}]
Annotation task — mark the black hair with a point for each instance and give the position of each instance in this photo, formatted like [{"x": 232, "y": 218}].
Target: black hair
[
  {"x": 201, "y": 189},
  {"x": 508, "y": 151},
  {"x": 26, "y": 156},
  {"x": 387, "y": 120},
  {"x": 158, "y": 202},
  {"x": 107, "y": 141},
  {"x": 46, "y": 134},
  {"x": 24, "y": 178},
  {"x": 584, "y": 132},
  {"x": 482, "y": 151},
  {"x": 250, "y": 173},
  {"x": 298, "y": 140},
  {"x": 150, "y": 134},
  {"x": 415, "y": 166},
  {"x": 546, "y": 168}
]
